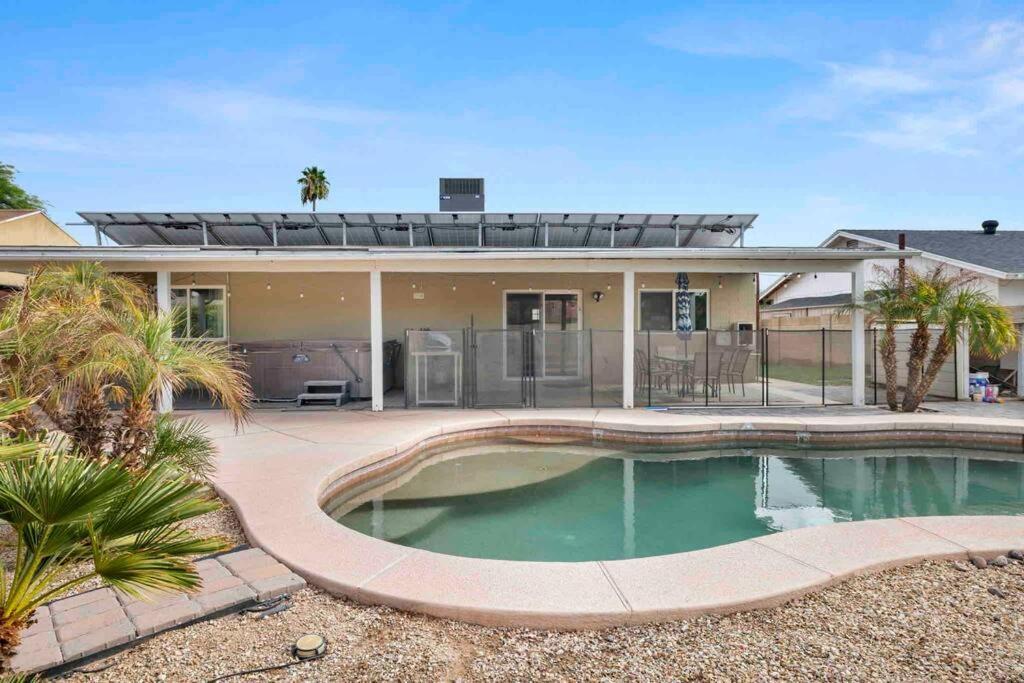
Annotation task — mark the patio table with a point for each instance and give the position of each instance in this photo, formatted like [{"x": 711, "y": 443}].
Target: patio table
[{"x": 682, "y": 366}]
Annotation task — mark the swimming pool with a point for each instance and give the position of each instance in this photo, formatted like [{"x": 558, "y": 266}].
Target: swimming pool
[{"x": 580, "y": 502}]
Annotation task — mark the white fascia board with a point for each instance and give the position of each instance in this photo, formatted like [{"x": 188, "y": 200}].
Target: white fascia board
[
  {"x": 725, "y": 259},
  {"x": 783, "y": 279},
  {"x": 963, "y": 265}
]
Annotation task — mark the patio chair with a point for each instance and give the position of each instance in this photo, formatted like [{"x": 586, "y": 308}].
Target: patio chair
[
  {"x": 655, "y": 373},
  {"x": 707, "y": 370},
  {"x": 641, "y": 374},
  {"x": 736, "y": 370}
]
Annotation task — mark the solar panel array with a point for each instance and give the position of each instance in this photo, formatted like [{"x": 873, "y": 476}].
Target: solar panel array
[{"x": 439, "y": 230}]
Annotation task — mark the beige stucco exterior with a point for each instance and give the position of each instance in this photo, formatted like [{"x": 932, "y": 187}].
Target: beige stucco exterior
[
  {"x": 35, "y": 229},
  {"x": 32, "y": 230},
  {"x": 310, "y": 305}
]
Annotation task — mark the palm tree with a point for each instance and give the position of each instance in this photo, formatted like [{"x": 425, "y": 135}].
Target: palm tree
[
  {"x": 313, "y": 185},
  {"x": 47, "y": 341},
  {"x": 957, "y": 305},
  {"x": 66, "y": 510},
  {"x": 143, "y": 357},
  {"x": 888, "y": 305},
  {"x": 953, "y": 303},
  {"x": 183, "y": 443},
  {"x": 78, "y": 338}
]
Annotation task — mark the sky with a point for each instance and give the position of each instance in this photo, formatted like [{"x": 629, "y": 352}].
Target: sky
[{"x": 817, "y": 117}]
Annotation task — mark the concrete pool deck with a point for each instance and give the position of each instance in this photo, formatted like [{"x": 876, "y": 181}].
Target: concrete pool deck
[{"x": 279, "y": 468}]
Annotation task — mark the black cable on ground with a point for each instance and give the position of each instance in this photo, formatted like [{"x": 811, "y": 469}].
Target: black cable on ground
[{"x": 273, "y": 667}]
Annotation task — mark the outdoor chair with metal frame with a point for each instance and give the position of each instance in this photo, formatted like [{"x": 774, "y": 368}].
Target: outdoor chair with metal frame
[{"x": 736, "y": 370}]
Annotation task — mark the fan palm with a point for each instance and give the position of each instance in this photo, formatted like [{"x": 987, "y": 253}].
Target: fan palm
[
  {"x": 65, "y": 510},
  {"x": 313, "y": 185}
]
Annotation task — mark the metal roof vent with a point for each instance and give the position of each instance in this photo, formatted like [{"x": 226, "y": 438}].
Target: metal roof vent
[
  {"x": 462, "y": 194},
  {"x": 989, "y": 227}
]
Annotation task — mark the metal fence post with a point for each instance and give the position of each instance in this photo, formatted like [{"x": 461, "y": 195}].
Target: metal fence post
[
  {"x": 874, "y": 363},
  {"x": 707, "y": 365},
  {"x": 650, "y": 377},
  {"x": 590, "y": 363},
  {"x": 767, "y": 386},
  {"x": 823, "y": 366}
]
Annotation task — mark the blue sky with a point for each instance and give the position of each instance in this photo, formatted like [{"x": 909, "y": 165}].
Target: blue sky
[{"x": 859, "y": 115}]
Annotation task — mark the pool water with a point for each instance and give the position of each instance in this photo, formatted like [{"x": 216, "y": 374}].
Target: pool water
[{"x": 576, "y": 503}]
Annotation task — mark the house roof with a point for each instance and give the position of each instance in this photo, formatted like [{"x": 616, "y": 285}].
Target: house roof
[
  {"x": 1003, "y": 251},
  {"x": 811, "y": 302},
  {"x": 565, "y": 230},
  {"x": 9, "y": 214}
]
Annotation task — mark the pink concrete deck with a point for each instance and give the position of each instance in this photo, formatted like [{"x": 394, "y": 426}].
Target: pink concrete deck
[{"x": 277, "y": 470}]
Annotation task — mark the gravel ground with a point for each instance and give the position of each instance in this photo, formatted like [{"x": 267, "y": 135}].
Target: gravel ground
[{"x": 933, "y": 621}]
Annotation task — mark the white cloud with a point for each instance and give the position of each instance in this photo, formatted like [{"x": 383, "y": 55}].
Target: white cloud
[
  {"x": 878, "y": 79},
  {"x": 42, "y": 142},
  {"x": 925, "y": 133},
  {"x": 961, "y": 92},
  {"x": 739, "y": 39},
  {"x": 240, "y": 106}
]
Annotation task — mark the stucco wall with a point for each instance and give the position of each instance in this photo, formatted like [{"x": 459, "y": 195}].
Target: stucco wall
[
  {"x": 32, "y": 231},
  {"x": 825, "y": 284},
  {"x": 256, "y": 313}
]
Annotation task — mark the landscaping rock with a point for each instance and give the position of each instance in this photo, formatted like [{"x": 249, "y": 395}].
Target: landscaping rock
[
  {"x": 978, "y": 561},
  {"x": 996, "y": 592},
  {"x": 1000, "y": 561},
  {"x": 1016, "y": 555}
]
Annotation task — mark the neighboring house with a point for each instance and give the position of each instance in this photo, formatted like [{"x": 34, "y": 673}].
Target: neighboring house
[
  {"x": 499, "y": 309},
  {"x": 28, "y": 227},
  {"x": 815, "y": 300}
]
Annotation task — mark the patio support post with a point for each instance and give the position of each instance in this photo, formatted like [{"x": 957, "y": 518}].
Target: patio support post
[
  {"x": 1020, "y": 360},
  {"x": 165, "y": 400},
  {"x": 376, "y": 343},
  {"x": 857, "y": 334},
  {"x": 963, "y": 365},
  {"x": 628, "y": 313}
]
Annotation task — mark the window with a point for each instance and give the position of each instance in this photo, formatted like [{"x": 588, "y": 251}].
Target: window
[
  {"x": 200, "y": 312},
  {"x": 658, "y": 310}
]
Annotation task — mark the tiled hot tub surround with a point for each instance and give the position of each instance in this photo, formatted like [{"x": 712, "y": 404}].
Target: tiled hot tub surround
[{"x": 277, "y": 489}]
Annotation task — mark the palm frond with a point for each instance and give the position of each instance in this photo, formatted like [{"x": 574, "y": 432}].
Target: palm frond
[{"x": 184, "y": 444}]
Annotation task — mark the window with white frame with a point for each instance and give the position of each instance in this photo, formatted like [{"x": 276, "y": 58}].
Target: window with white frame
[
  {"x": 658, "y": 310},
  {"x": 200, "y": 312}
]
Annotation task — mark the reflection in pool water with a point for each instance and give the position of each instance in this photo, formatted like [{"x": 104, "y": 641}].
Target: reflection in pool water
[{"x": 573, "y": 503}]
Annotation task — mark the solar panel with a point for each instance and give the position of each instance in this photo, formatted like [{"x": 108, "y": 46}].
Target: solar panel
[{"x": 517, "y": 230}]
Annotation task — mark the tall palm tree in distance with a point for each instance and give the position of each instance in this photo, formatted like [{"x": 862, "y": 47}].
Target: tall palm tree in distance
[{"x": 313, "y": 185}]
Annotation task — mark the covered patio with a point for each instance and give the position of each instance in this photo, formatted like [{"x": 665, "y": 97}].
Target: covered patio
[{"x": 482, "y": 328}]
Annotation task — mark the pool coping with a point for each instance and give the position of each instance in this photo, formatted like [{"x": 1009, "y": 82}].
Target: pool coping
[{"x": 276, "y": 475}]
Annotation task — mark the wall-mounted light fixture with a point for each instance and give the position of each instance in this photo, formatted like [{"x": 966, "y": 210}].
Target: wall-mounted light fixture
[{"x": 597, "y": 296}]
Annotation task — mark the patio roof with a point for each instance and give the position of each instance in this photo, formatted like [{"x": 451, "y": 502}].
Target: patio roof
[{"x": 574, "y": 230}]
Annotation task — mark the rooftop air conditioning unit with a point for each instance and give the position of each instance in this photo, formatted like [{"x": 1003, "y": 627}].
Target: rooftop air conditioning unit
[{"x": 462, "y": 194}]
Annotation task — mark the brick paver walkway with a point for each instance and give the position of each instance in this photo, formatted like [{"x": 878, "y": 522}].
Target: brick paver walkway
[{"x": 82, "y": 625}]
